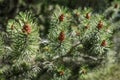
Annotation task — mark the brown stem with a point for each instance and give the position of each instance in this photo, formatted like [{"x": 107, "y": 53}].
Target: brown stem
[{"x": 69, "y": 52}]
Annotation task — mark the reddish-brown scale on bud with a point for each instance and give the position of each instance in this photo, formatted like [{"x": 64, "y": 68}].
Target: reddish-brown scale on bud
[
  {"x": 104, "y": 43},
  {"x": 61, "y": 17},
  {"x": 61, "y": 36},
  {"x": 26, "y": 29},
  {"x": 116, "y": 6},
  {"x": 88, "y": 15},
  {"x": 100, "y": 25},
  {"x": 61, "y": 73}
]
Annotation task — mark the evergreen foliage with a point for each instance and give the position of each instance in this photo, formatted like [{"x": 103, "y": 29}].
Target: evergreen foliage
[{"x": 78, "y": 40}]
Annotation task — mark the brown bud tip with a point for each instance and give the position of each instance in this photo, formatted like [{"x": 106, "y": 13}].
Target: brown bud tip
[
  {"x": 104, "y": 43},
  {"x": 116, "y": 6},
  {"x": 77, "y": 33},
  {"x": 88, "y": 16},
  {"x": 26, "y": 29},
  {"x": 61, "y": 73},
  {"x": 61, "y": 17},
  {"x": 12, "y": 27},
  {"x": 87, "y": 26},
  {"x": 61, "y": 36},
  {"x": 83, "y": 71},
  {"x": 77, "y": 14},
  {"x": 100, "y": 25}
]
